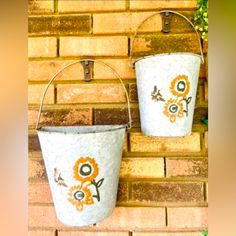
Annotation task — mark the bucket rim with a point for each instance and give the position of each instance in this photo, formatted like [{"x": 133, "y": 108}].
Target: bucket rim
[
  {"x": 167, "y": 54},
  {"x": 110, "y": 128}
]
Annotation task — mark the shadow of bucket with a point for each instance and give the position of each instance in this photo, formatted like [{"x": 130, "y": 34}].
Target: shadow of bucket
[
  {"x": 167, "y": 86},
  {"x": 82, "y": 164}
]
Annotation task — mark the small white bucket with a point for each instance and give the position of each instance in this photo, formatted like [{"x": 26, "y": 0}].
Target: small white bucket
[
  {"x": 167, "y": 86},
  {"x": 82, "y": 164}
]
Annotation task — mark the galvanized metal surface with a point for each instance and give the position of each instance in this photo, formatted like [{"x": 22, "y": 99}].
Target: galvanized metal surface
[
  {"x": 62, "y": 147},
  {"x": 82, "y": 164},
  {"x": 165, "y": 111}
]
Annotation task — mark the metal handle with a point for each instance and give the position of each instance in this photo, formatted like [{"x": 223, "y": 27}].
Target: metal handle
[
  {"x": 82, "y": 60},
  {"x": 159, "y": 12}
]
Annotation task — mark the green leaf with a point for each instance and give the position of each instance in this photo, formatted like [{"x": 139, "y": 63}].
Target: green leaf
[{"x": 99, "y": 183}]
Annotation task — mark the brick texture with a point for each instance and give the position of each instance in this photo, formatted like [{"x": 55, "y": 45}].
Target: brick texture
[
  {"x": 45, "y": 70},
  {"x": 39, "y": 193},
  {"x": 91, "y": 6},
  {"x": 141, "y": 143},
  {"x": 61, "y": 117},
  {"x": 94, "y": 46},
  {"x": 129, "y": 22},
  {"x": 42, "y": 47},
  {"x": 149, "y": 4},
  {"x": 142, "y": 217},
  {"x": 59, "y": 25},
  {"x": 86, "y": 233},
  {"x": 90, "y": 93},
  {"x": 167, "y": 234},
  {"x": 165, "y": 43},
  {"x": 35, "y": 93},
  {"x": 116, "y": 116},
  {"x": 41, "y": 233},
  {"x": 163, "y": 189},
  {"x": 167, "y": 192},
  {"x": 186, "y": 168},
  {"x": 142, "y": 168},
  {"x": 40, "y": 6},
  {"x": 186, "y": 217},
  {"x": 121, "y": 66},
  {"x": 36, "y": 169}
]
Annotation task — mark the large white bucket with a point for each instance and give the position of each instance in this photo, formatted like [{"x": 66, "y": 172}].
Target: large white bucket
[
  {"x": 82, "y": 164},
  {"x": 167, "y": 86}
]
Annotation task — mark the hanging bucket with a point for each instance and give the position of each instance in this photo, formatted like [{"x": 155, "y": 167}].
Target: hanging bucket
[
  {"x": 82, "y": 164},
  {"x": 167, "y": 86}
]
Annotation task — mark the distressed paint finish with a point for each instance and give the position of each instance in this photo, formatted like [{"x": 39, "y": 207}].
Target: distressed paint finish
[
  {"x": 62, "y": 147},
  {"x": 160, "y": 71}
]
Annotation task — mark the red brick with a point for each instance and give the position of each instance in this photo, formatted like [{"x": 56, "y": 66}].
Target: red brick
[
  {"x": 150, "y": 4},
  {"x": 36, "y": 169},
  {"x": 39, "y": 193},
  {"x": 186, "y": 168},
  {"x": 63, "y": 117},
  {"x": 94, "y": 46},
  {"x": 90, "y": 93},
  {"x": 187, "y": 217},
  {"x": 40, "y": 6},
  {"x": 33, "y": 142},
  {"x": 152, "y": 192},
  {"x": 125, "y": 22},
  {"x": 134, "y": 218},
  {"x": 41, "y": 233},
  {"x": 129, "y": 22},
  {"x": 87, "y": 233},
  {"x": 45, "y": 70},
  {"x": 121, "y": 66},
  {"x": 35, "y": 93},
  {"x": 165, "y": 43},
  {"x": 91, "y": 6},
  {"x": 42, "y": 47},
  {"x": 114, "y": 116},
  {"x": 59, "y": 25},
  {"x": 141, "y": 143},
  {"x": 167, "y": 234},
  {"x": 142, "y": 168}
]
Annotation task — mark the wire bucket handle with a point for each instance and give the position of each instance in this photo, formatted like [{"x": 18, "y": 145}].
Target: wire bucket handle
[
  {"x": 129, "y": 125},
  {"x": 160, "y": 12}
]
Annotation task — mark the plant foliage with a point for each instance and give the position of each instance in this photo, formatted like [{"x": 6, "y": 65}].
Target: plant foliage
[
  {"x": 201, "y": 18},
  {"x": 205, "y": 232}
]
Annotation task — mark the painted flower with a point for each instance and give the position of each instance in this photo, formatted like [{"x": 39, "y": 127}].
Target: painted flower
[
  {"x": 85, "y": 169},
  {"x": 80, "y": 196},
  {"x": 180, "y": 86},
  {"x": 172, "y": 109}
]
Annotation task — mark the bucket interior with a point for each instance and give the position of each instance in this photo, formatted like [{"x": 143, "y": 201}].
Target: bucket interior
[{"x": 82, "y": 129}]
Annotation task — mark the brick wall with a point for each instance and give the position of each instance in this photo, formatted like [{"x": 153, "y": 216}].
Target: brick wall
[{"x": 163, "y": 181}]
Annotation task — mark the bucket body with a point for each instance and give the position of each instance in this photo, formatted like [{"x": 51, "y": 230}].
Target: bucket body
[
  {"x": 167, "y": 86},
  {"x": 82, "y": 164}
]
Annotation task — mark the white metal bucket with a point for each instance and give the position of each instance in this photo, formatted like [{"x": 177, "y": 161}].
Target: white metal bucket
[
  {"x": 167, "y": 86},
  {"x": 82, "y": 164}
]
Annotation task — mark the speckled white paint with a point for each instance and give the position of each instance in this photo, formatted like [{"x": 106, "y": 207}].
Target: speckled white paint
[
  {"x": 62, "y": 147},
  {"x": 160, "y": 70}
]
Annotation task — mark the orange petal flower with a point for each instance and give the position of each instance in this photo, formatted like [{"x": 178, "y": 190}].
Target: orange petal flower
[
  {"x": 180, "y": 86},
  {"x": 85, "y": 169},
  {"x": 172, "y": 109},
  {"x": 80, "y": 196}
]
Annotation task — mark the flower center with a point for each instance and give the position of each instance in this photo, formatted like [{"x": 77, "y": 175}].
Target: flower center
[
  {"x": 79, "y": 195},
  {"x": 85, "y": 170},
  {"x": 181, "y": 86},
  {"x": 173, "y": 108}
]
